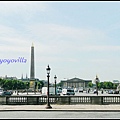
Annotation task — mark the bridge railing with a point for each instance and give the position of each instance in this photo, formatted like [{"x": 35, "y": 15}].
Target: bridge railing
[{"x": 40, "y": 100}]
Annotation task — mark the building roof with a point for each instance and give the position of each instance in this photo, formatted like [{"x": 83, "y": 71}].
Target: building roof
[
  {"x": 116, "y": 81},
  {"x": 76, "y": 80}
]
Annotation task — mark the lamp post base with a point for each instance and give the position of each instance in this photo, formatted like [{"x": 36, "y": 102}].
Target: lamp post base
[{"x": 48, "y": 107}]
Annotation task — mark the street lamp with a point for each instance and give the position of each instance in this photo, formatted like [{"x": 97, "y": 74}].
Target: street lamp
[
  {"x": 96, "y": 81},
  {"x": 17, "y": 87},
  {"x": 40, "y": 88},
  {"x": 55, "y": 83},
  {"x": 48, "y": 103},
  {"x": 27, "y": 87}
]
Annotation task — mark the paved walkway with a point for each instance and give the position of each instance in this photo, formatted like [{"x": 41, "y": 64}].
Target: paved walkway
[{"x": 55, "y": 107}]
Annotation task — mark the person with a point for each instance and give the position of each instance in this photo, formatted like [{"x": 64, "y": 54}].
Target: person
[
  {"x": 97, "y": 92},
  {"x": 88, "y": 90},
  {"x": 102, "y": 91}
]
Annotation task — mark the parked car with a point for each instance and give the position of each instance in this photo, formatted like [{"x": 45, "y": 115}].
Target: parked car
[
  {"x": 5, "y": 93},
  {"x": 76, "y": 90},
  {"x": 110, "y": 92},
  {"x": 51, "y": 90},
  {"x": 11, "y": 92},
  {"x": 80, "y": 89},
  {"x": 68, "y": 91},
  {"x": 116, "y": 92},
  {"x": 59, "y": 91},
  {"x": 1, "y": 93}
]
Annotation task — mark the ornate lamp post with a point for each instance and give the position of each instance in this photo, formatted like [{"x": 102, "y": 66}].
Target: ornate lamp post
[
  {"x": 27, "y": 87},
  {"x": 17, "y": 87},
  {"x": 96, "y": 81},
  {"x": 55, "y": 83},
  {"x": 48, "y": 75},
  {"x": 40, "y": 88}
]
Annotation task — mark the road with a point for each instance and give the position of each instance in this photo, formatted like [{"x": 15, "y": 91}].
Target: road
[
  {"x": 61, "y": 114},
  {"x": 58, "y": 114},
  {"x": 76, "y": 94}
]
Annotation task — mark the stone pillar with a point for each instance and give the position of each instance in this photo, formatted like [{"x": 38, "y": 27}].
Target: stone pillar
[
  {"x": 32, "y": 71},
  {"x": 97, "y": 100},
  {"x": 2, "y": 100}
]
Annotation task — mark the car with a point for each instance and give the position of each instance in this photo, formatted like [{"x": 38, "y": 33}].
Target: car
[
  {"x": 1, "y": 93},
  {"x": 116, "y": 92},
  {"x": 110, "y": 92},
  {"x": 68, "y": 91},
  {"x": 59, "y": 91},
  {"x": 11, "y": 92},
  {"x": 5, "y": 93},
  {"x": 80, "y": 89},
  {"x": 75, "y": 90}
]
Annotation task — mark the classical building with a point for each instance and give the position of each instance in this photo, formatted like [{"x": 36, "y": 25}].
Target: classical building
[{"x": 75, "y": 83}]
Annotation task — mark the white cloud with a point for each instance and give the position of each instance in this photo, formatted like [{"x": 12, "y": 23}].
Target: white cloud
[
  {"x": 100, "y": 60},
  {"x": 65, "y": 33},
  {"x": 52, "y": 39},
  {"x": 21, "y": 7},
  {"x": 106, "y": 48},
  {"x": 64, "y": 47},
  {"x": 12, "y": 41},
  {"x": 64, "y": 39}
]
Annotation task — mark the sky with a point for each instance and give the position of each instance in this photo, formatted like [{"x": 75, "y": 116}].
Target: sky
[{"x": 75, "y": 38}]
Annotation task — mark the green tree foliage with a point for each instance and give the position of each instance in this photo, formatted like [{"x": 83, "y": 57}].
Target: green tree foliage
[
  {"x": 101, "y": 85},
  {"x": 2, "y": 82},
  {"x": 12, "y": 84},
  {"x": 90, "y": 84},
  {"x": 40, "y": 84},
  {"x": 115, "y": 86},
  {"x": 107, "y": 85},
  {"x": 27, "y": 85},
  {"x": 59, "y": 84}
]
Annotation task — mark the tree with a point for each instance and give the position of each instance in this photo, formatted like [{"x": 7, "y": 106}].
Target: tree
[
  {"x": 90, "y": 84},
  {"x": 59, "y": 84},
  {"x": 101, "y": 85},
  {"x": 27, "y": 84}
]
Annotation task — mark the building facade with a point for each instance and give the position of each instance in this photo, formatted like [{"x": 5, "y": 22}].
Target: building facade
[{"x": 75, "y": 83}]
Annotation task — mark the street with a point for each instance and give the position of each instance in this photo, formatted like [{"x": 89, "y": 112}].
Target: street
[
  {"x": 58, "y": 114},
  {"x": 61, "y": 114},
  {"x": 76, "y": 94}
]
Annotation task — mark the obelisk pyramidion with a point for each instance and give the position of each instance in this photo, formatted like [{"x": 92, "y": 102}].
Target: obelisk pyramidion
[{"x": 32, "y": 71}]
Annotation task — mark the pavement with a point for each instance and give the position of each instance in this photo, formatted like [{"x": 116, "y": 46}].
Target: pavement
[{"x": 55, "y": 107}]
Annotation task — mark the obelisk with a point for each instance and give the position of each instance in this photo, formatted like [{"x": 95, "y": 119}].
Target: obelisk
[{"x": 32, "y": 70}]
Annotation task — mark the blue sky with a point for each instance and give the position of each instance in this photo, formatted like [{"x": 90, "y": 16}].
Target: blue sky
[{"x": 76, "y": 39}]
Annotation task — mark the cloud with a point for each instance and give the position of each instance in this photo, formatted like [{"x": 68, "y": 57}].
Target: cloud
[
  {"x": 64, "y": 39},
  {"x": 52, "y": 39},
  {"x": 12, "y": 41},
  {"x": 65, "y": 33},
  {"x": 21, "y": 7},
  {"x": 103, "y": 48},
  {"x": 100, "y": 60}
]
